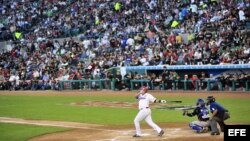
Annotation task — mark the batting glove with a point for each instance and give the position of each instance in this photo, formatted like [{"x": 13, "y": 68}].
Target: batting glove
[{"x": 163, "y": 101}]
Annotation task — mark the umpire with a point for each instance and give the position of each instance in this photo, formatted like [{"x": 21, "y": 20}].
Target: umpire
[{"x": 219, "y": 114}]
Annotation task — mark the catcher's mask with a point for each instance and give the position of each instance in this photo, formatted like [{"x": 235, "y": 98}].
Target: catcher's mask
[
  {"x": 210, "y": 99},
  {"x": 200, "y": 102}
]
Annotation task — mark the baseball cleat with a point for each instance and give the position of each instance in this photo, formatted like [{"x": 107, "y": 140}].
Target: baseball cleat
[
  {"x": 161, "y": 133},
  {"x": 204, "y": 130},
  {"x": 136, "y": 136},
  {"x": 215, "y": 133},
  {"x": 209, "y": 128}
]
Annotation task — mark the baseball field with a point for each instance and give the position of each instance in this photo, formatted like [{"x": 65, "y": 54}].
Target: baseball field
[{"x": 105, "y": 115}]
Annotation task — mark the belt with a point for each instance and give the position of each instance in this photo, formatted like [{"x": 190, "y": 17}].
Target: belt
[{"x": 144, "y": 108}]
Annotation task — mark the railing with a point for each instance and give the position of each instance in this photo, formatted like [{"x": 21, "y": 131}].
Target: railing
[
  {"x": 85, "y": 84},
  {"x": 197, "y": 85},
  {"x": 189, "y": 67}
]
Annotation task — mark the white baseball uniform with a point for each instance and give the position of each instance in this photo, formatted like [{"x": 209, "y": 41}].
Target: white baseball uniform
[{"x": 145, "y": 113}]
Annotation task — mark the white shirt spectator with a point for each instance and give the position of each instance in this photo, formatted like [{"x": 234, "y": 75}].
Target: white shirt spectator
[
  {"x": 216, "y": 17},
  {"x": 46, "y": 77},
  {"x": 123, "y": 71},
  {"x": 86, "y": 44},
  {"x": 194, "y": 8},
  {"x": 197, "y": 55},
  {"x": 62, "y": 3},
  {"x": 242, "y": 15},
  {"x": 143, "y": 60},
  {"x": 57, "y": 45},
  {"x": 96, "y": 72},
  {"x": 246, "y": 50},
  {"x": 105, "y": 42},
  {"x": 150, "y": 53},
  {"x": 130, "y": 41},
  {"x": 54, "y": 51},
  {"x": 92, "y": 54},
  {"x": 36, "y": 74},
  {"x": 137, "y": 47},
  {"x": 2, "y": 78},
  {"x": 101, "y": 63},
  {"x": 39, "y": 39},
  {"x": 63, "y": 51},
  {"x": 225, "y": 55},
  {"x": 65, "y": 77},
  {"x": 14, "y": 78},
  {"x": 152, "y": 4}
]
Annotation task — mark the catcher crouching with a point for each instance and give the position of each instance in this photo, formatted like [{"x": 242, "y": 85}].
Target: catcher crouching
[{"x": 201, "y": 125}]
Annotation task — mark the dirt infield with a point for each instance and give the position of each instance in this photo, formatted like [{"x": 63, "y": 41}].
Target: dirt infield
[
  {"x": 94, "y": 132},
  {"x": 172, "y": 133},
  {"x": 90, "y": 132}
]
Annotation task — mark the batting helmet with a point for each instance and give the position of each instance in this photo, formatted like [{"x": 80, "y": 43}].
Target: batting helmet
[
  {"x": 200, "y": 102},
  {"x": 144, "y": 88}
]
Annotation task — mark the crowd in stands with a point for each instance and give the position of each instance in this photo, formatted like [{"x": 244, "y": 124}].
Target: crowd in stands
[
  {"x": 116, "y": 34},
  {"x": 171, "y": 80}
]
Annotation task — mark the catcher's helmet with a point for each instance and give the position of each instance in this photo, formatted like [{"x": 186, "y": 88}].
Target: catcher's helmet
[
  {"x": 200, "y": 102},
  {"x": 144, "y": 88}
]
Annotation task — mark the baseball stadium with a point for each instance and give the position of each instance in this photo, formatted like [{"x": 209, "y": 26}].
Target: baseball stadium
[{"x": 123, "y": 70}]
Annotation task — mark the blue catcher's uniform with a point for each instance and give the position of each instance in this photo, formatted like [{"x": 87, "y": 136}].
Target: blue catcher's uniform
[{"x": 202, "y": 113}]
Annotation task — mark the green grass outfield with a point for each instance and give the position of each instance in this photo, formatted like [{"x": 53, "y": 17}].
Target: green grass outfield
[
  {"x": 56, "y": 107},
  {"x": 18, "y": 132}
]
